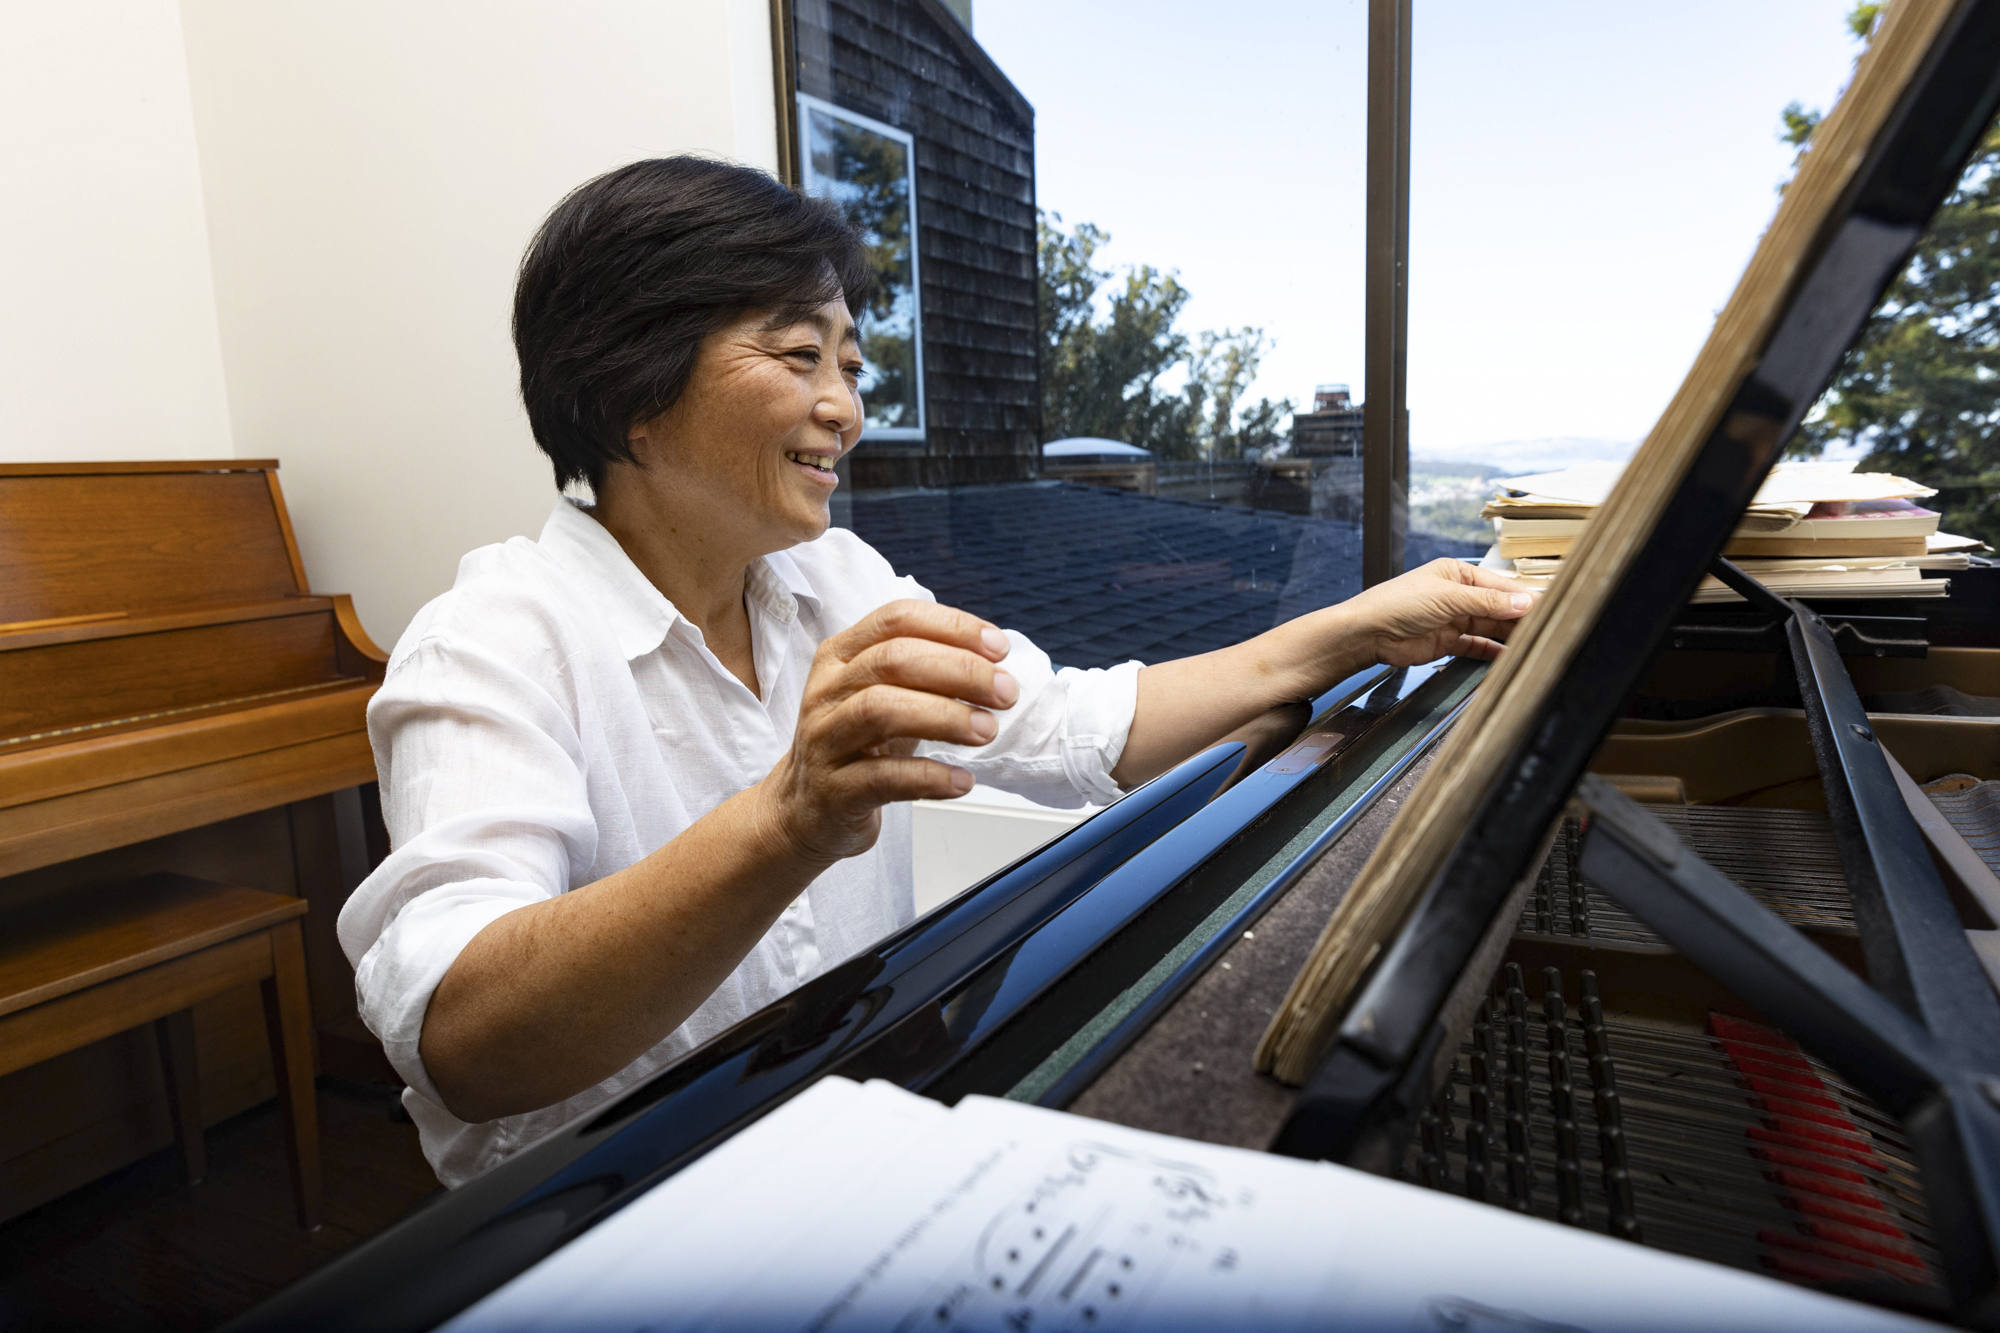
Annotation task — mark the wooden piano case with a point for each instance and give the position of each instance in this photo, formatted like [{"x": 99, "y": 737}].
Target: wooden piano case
[{"x": 173, "y": 696}]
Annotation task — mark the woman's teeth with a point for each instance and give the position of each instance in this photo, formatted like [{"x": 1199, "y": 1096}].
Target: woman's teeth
[{"x": 824, "y": 462}]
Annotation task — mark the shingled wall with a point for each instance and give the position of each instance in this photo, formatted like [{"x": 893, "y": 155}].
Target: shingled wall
[{"x": 908, "y": 63}]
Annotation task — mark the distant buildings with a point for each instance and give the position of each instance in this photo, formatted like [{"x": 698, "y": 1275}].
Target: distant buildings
[
  {"x": 1328, "y": 438},
  {"x": 1331, "y": 430}
]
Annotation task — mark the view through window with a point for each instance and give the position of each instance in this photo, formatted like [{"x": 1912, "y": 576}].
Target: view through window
[
  {"x": 867, "y": 168},
  {"x": 1117, "y": 402}
]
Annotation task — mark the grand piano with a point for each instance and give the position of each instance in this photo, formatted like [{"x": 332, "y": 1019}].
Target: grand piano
[
  {"x": 173, "y": 697},
  {"x": 1632, "y": 1001}
]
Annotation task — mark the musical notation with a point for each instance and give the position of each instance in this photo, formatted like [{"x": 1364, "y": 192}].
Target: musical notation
[{"x": 865, "y": 1207}]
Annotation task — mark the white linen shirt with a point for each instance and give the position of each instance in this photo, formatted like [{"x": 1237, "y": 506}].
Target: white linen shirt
[{"x": 552, "y": 719}]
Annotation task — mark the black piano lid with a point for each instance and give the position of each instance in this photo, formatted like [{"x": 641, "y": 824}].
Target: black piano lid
[
  {"x": 1948, "y": 104},
  {"x": 1381, "y": 1062},
  {"x": 1040, "y": 970}
]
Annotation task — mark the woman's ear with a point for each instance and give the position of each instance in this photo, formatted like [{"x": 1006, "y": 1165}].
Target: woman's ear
[{"x": 644, "y": 442}]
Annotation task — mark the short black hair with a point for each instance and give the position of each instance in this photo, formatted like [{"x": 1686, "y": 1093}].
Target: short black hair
[{"x": 633, "y": 270}]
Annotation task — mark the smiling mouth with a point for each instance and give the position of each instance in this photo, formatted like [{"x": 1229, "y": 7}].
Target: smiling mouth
[{"x": 818, "y": 462}]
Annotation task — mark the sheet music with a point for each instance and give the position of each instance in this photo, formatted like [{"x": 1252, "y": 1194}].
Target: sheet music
[{"x": 866, "y": 1207}]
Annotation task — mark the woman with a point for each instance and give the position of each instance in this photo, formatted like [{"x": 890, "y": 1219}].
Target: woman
[{"x": 649, "y": 772}]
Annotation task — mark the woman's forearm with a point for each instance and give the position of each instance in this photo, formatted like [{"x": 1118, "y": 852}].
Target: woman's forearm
[
  {"x": 1441, "y": 608},
  {"x": 558, "y": 996},
  {"x": 1189, "y": 704}
]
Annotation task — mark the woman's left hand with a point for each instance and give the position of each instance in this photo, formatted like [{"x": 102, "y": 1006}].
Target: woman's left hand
[{"x": 1444, "y": 608}]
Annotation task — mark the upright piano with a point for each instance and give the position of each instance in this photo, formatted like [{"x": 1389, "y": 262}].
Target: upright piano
[
  {"x": 173, "y": 696},
  {"x": 1633, "y": 1001}
]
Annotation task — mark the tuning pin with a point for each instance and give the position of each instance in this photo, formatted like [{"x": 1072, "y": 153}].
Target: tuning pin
[
  {"x": 1481, "y": 1105},
  {"x": 1475, "y": 1161},
  {"x": 1432, "y": 1129},
  {"x": 1562, "y": 1093},
  {"x": 1611, "y": 1148},
  {"x": 1569, "y": 1191},
  {"x": 1624, "y": 1215},
  {"x": 1520, "y": 1181}
]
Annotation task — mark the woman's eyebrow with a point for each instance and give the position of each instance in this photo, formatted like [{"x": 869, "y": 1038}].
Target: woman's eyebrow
[{"x": 823, "y": 324}]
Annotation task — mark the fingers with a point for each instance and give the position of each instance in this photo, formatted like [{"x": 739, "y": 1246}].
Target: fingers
[
  {"x": 1481, "y": 602},
  {"x": 1459, "y": 571},
  {"x": 882, "y": 714},
  {"x": 880, "y": 781},
  {"x": 912, "y": 619},
  {"x": 924, "y": 664}
]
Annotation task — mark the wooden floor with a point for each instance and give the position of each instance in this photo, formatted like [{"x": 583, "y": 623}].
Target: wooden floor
[{"x": 141, "y": 1250}]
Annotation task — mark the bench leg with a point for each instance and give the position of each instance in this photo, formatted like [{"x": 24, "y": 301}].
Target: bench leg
[
  {"x": 288, "y": 1016},
  {"x": 175, "y": 1034}
]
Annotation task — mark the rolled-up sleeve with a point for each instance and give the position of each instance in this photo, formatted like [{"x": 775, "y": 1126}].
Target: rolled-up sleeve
[
  {"x": 487, "y": 811},
  {"x": 1058, "y": 744}
]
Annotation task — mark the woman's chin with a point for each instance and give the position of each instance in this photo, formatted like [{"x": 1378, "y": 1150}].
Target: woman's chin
[{"x": 808, "y": 521}]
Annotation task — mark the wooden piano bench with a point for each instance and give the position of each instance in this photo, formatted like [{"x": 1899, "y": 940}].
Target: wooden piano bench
[{"x": 77, "y": 970}]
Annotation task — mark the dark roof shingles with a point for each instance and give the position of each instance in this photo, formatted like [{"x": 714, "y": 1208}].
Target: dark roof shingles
[{"x": 1097, "y": 576}]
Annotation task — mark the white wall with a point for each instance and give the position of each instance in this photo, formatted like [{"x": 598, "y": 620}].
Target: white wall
[
  {"x": 373, "y": 170},
  {"x": 958, "y": 843},
  {"x": 108, "y": 345}
]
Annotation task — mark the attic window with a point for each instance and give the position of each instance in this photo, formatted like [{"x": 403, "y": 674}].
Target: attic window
[{"x": 869, "y": 169}]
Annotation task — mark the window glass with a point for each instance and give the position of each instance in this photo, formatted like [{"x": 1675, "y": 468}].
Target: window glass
[
  {"x": 867, "y": 168},
  {"x": 1137, "y": 238}
]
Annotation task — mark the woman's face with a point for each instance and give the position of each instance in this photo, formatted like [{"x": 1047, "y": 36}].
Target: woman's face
[{"x": 769, "y": 409}]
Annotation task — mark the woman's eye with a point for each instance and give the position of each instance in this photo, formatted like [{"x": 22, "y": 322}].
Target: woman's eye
[
  {"x": 809, "y": 355},
  {"x": 854, "y": 372}
]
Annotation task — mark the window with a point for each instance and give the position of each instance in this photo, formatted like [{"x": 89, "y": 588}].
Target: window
[{"x": 869, "y": 169}]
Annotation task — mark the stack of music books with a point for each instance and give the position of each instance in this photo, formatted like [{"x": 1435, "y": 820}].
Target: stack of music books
[{"x": 1815, "y": 530}]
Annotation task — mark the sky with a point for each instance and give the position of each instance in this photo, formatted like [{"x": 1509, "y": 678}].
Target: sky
[{"x": 1588, "y": 180}]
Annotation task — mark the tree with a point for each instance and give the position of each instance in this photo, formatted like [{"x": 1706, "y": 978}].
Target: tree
[
  {"x": 1920, "y": 389},
  {"x": 1102, "y": 375}
]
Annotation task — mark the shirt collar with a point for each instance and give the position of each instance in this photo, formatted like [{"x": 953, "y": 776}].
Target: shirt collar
[{"x": 639, "y": 614}]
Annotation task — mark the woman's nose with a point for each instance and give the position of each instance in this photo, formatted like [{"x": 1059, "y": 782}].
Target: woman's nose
[{"x": 838, "y": 402}]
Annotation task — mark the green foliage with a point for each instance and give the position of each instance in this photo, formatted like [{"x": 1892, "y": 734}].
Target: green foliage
[
  {"x": 1920, "y": 390},
  {"x": 1799, "y": 124},
  {"x": 1102, "y": 373}
]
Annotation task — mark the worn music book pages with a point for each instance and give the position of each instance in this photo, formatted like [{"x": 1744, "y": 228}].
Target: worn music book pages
[
  {"x": 1494, "y": 725},
  {"x": 1790, "y": 486},
  {"x": 866, "y": 1207},
  {"x": 1793, "y": 578},
  {"x": 1764, "y": 548},
  {"x": 1829, "y": 528}
]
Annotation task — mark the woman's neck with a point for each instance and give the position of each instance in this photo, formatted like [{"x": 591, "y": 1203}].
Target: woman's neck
[{"x": 689, "y": 559}]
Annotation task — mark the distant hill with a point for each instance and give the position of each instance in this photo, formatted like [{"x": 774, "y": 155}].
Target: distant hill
[{"x": 1513, "y": 457}]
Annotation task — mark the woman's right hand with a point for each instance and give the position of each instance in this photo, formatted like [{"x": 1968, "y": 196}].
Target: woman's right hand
[{"x": 907, "y": 672}]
